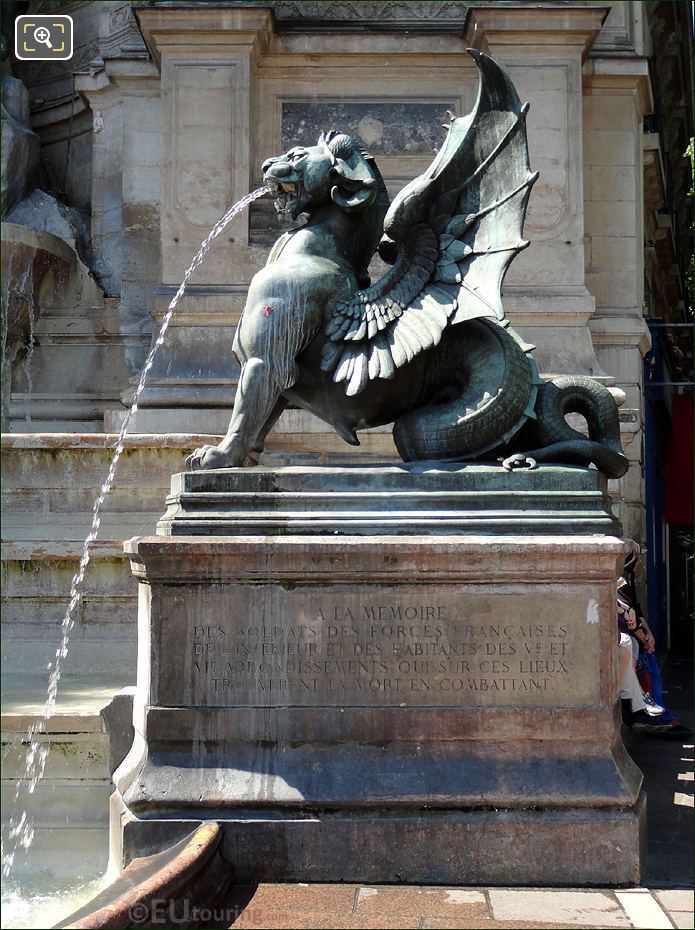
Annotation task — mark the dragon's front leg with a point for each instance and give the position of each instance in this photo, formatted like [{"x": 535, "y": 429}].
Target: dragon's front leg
[{"x": 257, "y": 398}]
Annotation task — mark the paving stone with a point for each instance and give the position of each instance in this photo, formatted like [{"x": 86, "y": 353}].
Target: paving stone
[
  {"x": 643, "y": 910},
  {"x": 577, "y": 908},
  {"x": 439, "y": 923},
  {"x": 676, "y": 899},
  {"x": 423, "y": 902},
  {"x": 266, "y": 919},
  {"x": 683, "y": 920},
  {"x": 304, "y": 898}
]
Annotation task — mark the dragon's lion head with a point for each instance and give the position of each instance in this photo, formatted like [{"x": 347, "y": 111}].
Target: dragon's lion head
[{"x": 335, "y": 169}]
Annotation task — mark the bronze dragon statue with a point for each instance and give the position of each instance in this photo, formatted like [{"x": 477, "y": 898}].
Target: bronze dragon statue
[{"x": 427, "y": 346}]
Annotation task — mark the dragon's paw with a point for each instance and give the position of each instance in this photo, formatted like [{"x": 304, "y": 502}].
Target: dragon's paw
[
  {"x": 518, "y": 460},
  {"x": 207, "y": 457}
]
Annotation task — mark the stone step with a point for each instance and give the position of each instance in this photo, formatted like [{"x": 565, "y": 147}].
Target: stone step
[
  {"x": 87, "y": 737},
  {"x": 50, "y": 482},
  {"x": 405, "y": 477},
  {"x": 412, "y": 498},
  {"x": 501, "y": 523},
  {"x": 411, "y": 501}
]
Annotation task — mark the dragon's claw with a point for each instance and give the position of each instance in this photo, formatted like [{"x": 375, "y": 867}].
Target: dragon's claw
[
  {"x": 518, "y": 460},
  {"x": 207, "y": 457}
]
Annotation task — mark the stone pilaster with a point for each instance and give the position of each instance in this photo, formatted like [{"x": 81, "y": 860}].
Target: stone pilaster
[
  {"x": 104, "y": 100},
  {"x": 124, "y": 99},
  {"x": 617, "y": 94},
  {"x": 616, "y": 97},
  {"x": 207, "y": 65}
]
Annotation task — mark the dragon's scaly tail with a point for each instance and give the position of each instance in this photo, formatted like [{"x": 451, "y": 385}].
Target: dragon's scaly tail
[
  {"x": 558, "y": 441},
  {"x": 487, "y": 401}
]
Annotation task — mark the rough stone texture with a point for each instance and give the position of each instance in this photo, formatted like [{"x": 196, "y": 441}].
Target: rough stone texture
[
  {"x": 383, "y": 128},
  {"x": 411, "y": 15},
  {"x": 350, "y": 906},
  {"x": 20, "y": 146},
  {"x": 565, "y": 907},
  {"x": 69, "y": 372},
  {"x": 86, "y": 737},
  {"x": 49, "y": 486},
  {"x": 408, "y": 499},
  {"x": 42, "y": 211},
  {"x": 34, "y": 263},
  {"x": 458, "y": 675},
  {"x": 60, "y": 117},
  {"x": 616, "y": 98},
  {"x": 70, "y": 804},
  {"x": 315, "y": 906}
]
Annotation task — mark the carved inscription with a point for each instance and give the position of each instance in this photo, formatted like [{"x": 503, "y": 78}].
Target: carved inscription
[{"x": 303, "y": 648}]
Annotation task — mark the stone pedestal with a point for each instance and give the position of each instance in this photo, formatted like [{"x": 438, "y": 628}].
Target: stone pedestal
[{"x": 391, "y": 707}]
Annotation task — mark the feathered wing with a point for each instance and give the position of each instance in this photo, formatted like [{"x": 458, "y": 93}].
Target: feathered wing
[{"x": 456, "y": 229}]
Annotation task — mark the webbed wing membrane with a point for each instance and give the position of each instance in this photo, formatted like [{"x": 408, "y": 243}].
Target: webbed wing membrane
[{"x": 456, "y": 229}]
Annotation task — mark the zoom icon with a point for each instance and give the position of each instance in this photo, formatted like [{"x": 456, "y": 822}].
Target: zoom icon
[{"x": 43, "y": 38}]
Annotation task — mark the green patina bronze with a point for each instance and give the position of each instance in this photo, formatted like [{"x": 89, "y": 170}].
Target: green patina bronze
[{"x": 427, "y": 346}]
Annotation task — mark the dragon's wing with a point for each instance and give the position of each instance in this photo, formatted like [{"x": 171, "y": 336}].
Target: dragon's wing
[{"x": 456, "y": 229}]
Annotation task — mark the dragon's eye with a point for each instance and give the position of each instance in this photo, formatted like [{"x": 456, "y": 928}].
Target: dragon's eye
[{"x": 295, "y": 154}]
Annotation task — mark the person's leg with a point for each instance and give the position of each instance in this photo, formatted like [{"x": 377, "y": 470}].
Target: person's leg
[
  {"x": 629, "y": 689},
  {"x": 624, "y": 659}
]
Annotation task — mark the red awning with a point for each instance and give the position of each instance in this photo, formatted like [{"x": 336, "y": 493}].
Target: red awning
[{"x": 680, "y": 474}]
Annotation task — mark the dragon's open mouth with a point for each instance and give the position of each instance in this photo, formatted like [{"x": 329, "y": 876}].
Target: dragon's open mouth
[{"x": 286, "y": 196}]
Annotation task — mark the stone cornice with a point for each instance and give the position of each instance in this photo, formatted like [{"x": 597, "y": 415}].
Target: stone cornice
[
  {"x": 524, "y": 26},
  {"x": 620, "y": 76},
  {"x": 175, "y": 29},
  {"x": 310, "y": 16},
  {"x": 621, "y": 329}
]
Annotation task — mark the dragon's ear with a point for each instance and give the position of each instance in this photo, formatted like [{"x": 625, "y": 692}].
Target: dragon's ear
[{"x": 356, "y": 187}]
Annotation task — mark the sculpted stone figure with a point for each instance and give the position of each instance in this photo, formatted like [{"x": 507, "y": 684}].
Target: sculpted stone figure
[{"x": 427, "y": 346}]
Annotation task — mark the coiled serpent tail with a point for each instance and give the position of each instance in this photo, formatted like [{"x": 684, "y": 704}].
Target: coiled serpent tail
[
  {"x": 558, "y": 441},
  {"x": 493, "y": 387}
]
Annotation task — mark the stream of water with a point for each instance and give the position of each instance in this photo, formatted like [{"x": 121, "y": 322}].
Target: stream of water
[
  {"x": 27, "y": 362},
  {"x": 17, "y": 292},
  {"x": 21, "y": 832}
]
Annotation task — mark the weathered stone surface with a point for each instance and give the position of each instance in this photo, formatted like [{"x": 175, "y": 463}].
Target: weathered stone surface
[
  {"x": 596, "y": 907},
  {"x": 69, "y": 806},
  {"x": 504, "y": 848},
  {"x": 408, "y": 499},
  {"x": 34, "y": 263},
  {"x": 383, "y": 128},
  {"x": 378, "y": 645},
  {"x": 42, "y": 211},
  {"x": 20, "y": 145},
  {"x": 366, "y": 708},
  {"x": 48, "y": 484}
]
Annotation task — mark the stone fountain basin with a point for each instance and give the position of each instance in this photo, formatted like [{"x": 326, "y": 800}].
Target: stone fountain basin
[{"x": 34, "y": 265}]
